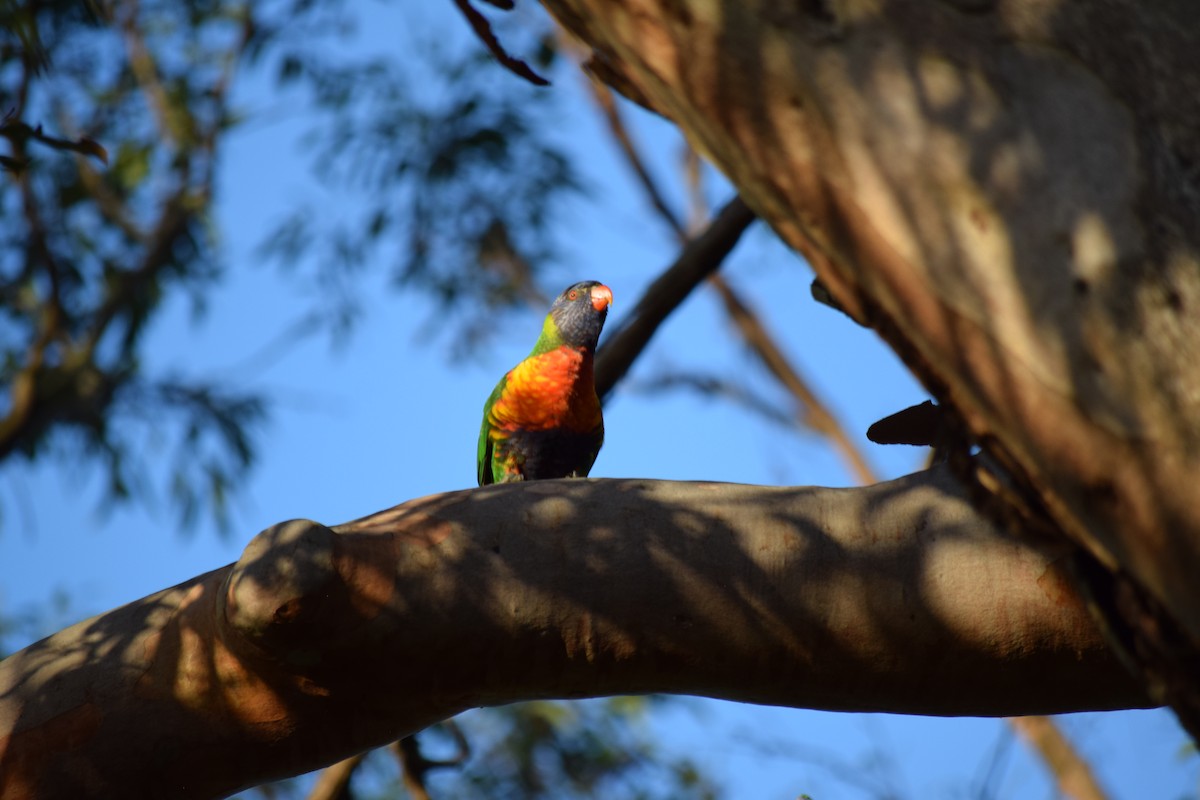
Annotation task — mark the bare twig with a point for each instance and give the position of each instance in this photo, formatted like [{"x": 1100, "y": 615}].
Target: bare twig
[
  {"x": 141, "y": 62},
  {"x": 414, "y": 766},
  {"x": 733, "y": 391},
  {"x": 616, "y": 126},
  {"x": 412, "y": 772},
  {"x": 693, "y": 176},
  {"x": 483, "y": 29},
  {"x": 1074, "y": 775},
  {"x": 814, "y": 412},
  {"x": 107, "y": 202},
  {"x": 15, "y": 130},
  {"x": 334, "y": 780},
  {"x": 171, "y": 225},
  {"x": 23, "y": 394}
]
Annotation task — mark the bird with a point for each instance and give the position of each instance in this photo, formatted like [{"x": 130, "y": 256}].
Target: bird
[{"x": 543, "y": 419}]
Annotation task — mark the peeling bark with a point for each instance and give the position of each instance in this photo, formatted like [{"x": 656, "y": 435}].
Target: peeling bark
[
  {"x": 1009, "y": 192},
  {"x": 322, "y": 642}
]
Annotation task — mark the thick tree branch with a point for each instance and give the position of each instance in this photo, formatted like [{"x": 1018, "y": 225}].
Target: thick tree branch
[
  {"x": 1007, "y": 197},
  {"x": 319, "y": 643}
]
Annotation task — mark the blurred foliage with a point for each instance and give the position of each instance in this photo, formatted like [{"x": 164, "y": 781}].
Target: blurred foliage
[
  {"x": 89, "y": 252},
  {"x": 454, "y": 166},
  {"x": 581, "y": 749},
  {"x": 113, "y": 120},
  {"x": 542, "y": 749}
]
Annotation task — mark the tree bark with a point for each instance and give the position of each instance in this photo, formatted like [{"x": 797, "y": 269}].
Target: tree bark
[
  {"x": 1009, "y": 192},
  {"x": 320, "y": 643}
]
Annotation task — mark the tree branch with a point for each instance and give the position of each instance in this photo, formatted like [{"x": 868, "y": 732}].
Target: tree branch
[
  {"x": 483, "y": 29},
  {"x": 1073, "y": 775},
  {"x": 319, "y": 643},
  {"x": 813, "y": 412},
  {"x": 145, "y": 71},
  {"x": 620, "y": 133},
  {"x": 945, "y": 183},
  {"x": 415, "y": 765},
  {"x": 334, "y": 780},
  {"x": 698, "y": 260}
]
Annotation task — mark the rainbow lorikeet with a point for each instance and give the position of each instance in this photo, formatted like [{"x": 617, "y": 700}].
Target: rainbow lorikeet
[{"x": 543, "y": 418}]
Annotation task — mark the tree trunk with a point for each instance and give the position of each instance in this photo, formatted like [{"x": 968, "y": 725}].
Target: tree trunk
[
  {"x": 320, "y": 643},
  {"x": 1009, "y": 192}
]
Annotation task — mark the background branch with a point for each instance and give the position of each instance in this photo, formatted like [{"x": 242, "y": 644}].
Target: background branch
[
  {"x": 334, "y": 781},
  {"x": 1073, "y": 774},
  {"x": 699, "y": 258}
]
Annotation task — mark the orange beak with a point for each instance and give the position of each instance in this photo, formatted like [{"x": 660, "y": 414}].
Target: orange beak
[{"x": 601, "y": 297}]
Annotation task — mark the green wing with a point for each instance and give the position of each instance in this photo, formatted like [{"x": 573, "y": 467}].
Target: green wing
[{"x": 483, "y": 462}]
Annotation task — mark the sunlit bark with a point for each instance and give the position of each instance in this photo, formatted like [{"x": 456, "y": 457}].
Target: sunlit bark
[
  {"x": 319, "y": 643},
  {"x": 1007, "y": 191}
]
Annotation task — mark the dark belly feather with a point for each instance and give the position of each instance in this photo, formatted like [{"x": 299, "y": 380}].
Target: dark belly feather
[{"x": 554, "y": 453}]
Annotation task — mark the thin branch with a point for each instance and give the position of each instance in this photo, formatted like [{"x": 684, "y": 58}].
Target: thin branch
[
  {"x": 991, "y": 769},
  {"x": 334, "y": 780},
  {"x": 616, "y": 126},
  {"x": 715, "y": 386},
  {"x": 141, "y": 62},
  {"x": 171, "y": 225},
  {"x": 49, "y": 325},
  {"x": 1074, "y": 775},
  {"x": 483, "y": 29},
  {"x": 815, "y": 413},
  {"x": 414, "y": 766},
  {"x": 17, "y": 131},
  {"x": 109, "y": 205},
  {"x": 693, "y": 177},
  {"x": 699, "y": 259}
]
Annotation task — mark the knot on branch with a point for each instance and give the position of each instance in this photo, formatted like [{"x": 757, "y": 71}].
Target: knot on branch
[{"x": 281, "y": 592}]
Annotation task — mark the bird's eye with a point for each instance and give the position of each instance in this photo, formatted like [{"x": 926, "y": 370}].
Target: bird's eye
[{"x": 572, "y": 295}]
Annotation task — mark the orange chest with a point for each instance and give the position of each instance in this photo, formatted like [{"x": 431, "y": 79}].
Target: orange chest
[{"x": 553, "y": 390}]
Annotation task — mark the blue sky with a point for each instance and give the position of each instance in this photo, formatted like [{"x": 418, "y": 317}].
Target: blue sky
[{"x": 390, "y": 416}]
